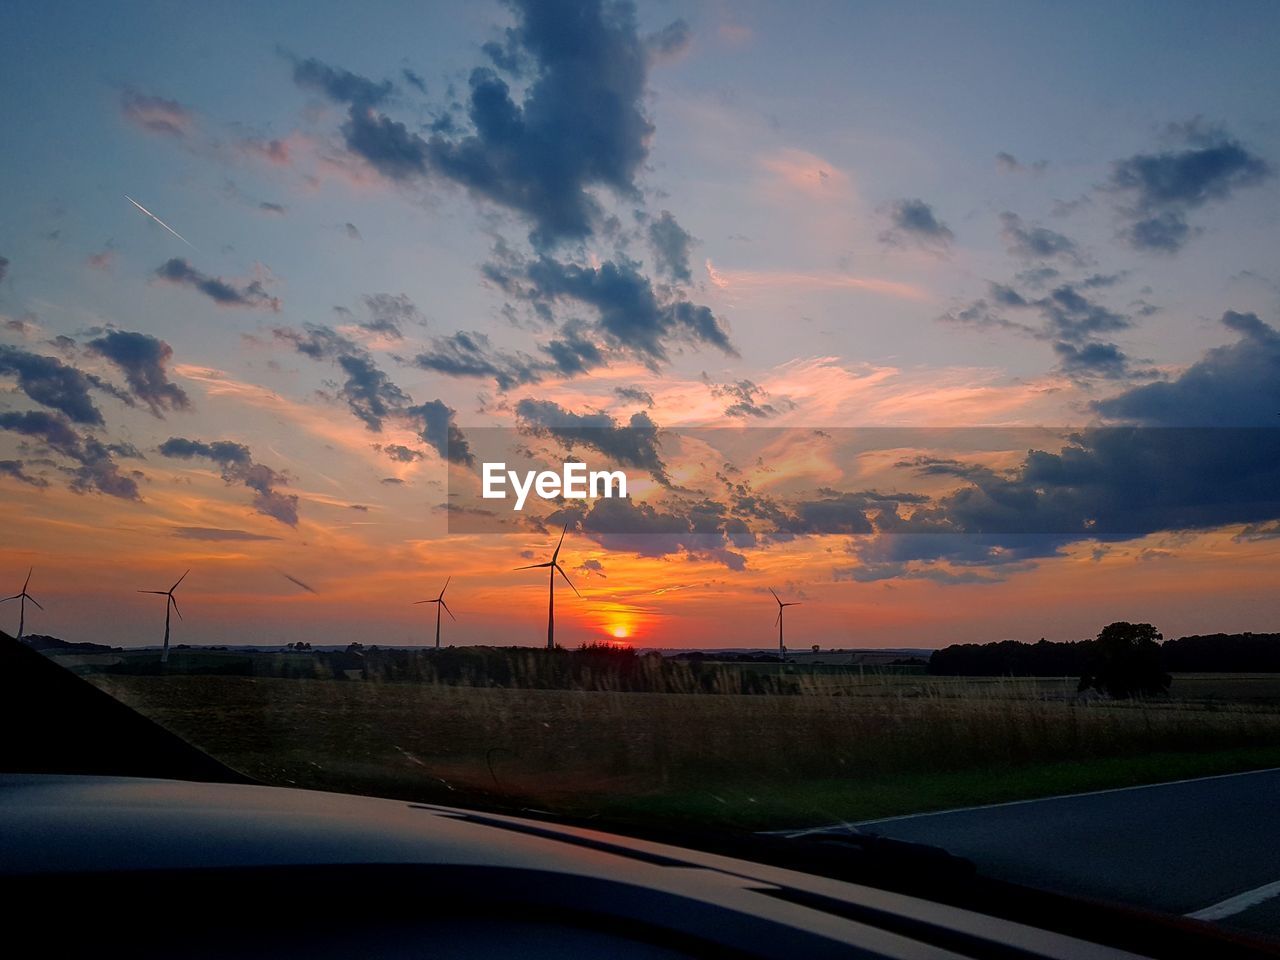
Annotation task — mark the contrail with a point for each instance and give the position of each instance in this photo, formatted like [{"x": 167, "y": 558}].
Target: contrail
[
  {"x": 298, "y": 582},
  {"x": 159, "y": 221}
]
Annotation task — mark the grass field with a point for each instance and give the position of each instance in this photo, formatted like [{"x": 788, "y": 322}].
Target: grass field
[{"x": 863, "y": 747}]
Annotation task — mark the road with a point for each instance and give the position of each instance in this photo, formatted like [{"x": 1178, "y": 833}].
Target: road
[{"x": 1208, "y": 847}]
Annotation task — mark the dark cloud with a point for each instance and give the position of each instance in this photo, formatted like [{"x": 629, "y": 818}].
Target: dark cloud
[
  {"x": 670, "y": 41},
  {"x": 368, "y": 391},
  {"x": 222, "y": 292},
  {"x": 276, "y": 208},
  {"x": 414, "y": 80},
  {"x": 4, "y": 268},
  {"x": 1036, "y": 243},
  {"x": 338, "y": 84},
  {"x": 699, "y": 530},
  {"x": 52, "y": 383},
  {"x": 634, "y": 395},
  {"x": 1092, "y": 359},
  {"x": 913, "y": 221},
  {"x": 670, "y": 243},
  {"x": 1065, "y": 314},
  {"x": 238, "y": 466},
  {"x": 749, "y": 400},
  {"x": 95, "y": 470},
  {"x": 142, "y": 359},
  {"x": 156, "y": 114},
  {"x": 389, "y": 312},
  {"x": 465, "y": 354},
  {"x": 434, "y": 422},
  {"x": 14, "y": 470},
  {"x": 352, "y": 231},
  {"x": 580, "y": 125},
  {"x": 398, "y": 451},
  {"x": 1160, "y": 189},
  {"x": 1236, "y": 385},
  {"x": 631, "y": 444},
  {"x": 1008, "y": 163},
  {"x": 631, "y": 314},
  {"x": 218, "y": 534}
]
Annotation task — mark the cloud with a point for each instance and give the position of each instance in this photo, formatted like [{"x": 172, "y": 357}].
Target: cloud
[
  {"x": 631, "y": 314},
  {"x": 352, "y": 231},
  {"x": 389, "y": 312},
  {"x": 52, "y": 383},
  {"x": 1159, "y": 190},
  {"x": 1237, "y": 385},
  {"x": 749, "y": 400},
  {"x": 238, "y": 466},
  {"x": 413, "y": 80},
  {"x": 434, "y": 423},
  {"x": 914, "y": 222},
  {"x": 14, "y": 470},
  {"x": 1065, "y": 314},
  {"x": 1008, "y": 163},
  {"x": 218, "y": 534},
  {"x": 1036, "y": 243},
  {"x": 470, "y": 354},
  {"x": 142, "y": 359},
  {"x": 368, "y": 391},
  {"x": 276, "y": 208},
  {"x": 669, "y": 42},
  {"x": 580, "y": 125},
  {"x": 96, "y": 469},
  {"x": 338, "y": 84},
  {"x": 634, "y": 395},
  {"x": 252, "y": 295},
  {"x": 1092, "y": 359},
  {"x": 398, "y": 451},
  {"x": 4, "y": 268},
  {"x": 156, "y": 114},
  {"x": 634, "y": 443},
  {"x": 699, "y": 530},
  {"x": 670, "y": 243}
]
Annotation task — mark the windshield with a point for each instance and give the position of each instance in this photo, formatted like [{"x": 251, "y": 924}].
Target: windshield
[{"x": 685, "y": 415}]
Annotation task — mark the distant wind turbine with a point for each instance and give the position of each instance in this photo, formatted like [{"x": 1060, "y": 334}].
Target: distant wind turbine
[
  {"x": 22, "y": 599},
  {"x": 159, "y": 221},
  {"x": 782, "y": 650},
  {"x": 171, "y": 602},
  {"x": 554, "y": 565},
  {"x": 439, "y": 602}
]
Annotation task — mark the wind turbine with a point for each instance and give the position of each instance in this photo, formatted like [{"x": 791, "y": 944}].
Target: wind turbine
[
  {"x": 22, "y": 599},
  {"x": 171, "y": 602},
  {"x": 554, "y": 564},
  {"x": 439, "y": 602},
  {"x": 782, "y": 650}
]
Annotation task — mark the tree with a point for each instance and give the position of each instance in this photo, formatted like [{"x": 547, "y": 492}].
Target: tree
[{"x": 1125, "y": 661}]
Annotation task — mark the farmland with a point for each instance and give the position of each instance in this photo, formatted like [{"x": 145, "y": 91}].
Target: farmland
[{"x": 835, "y": 747}]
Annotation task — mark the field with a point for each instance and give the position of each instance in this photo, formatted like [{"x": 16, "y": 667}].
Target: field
[{"x": 846, "y": 748}]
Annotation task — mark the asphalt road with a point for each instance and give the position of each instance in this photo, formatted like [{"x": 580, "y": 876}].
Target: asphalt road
[{"x": 1208, "y": 846}]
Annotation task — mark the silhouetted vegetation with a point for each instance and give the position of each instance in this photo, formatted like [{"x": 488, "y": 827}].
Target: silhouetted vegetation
[
  {"x": 1125, "y": 661},
  {"x": 1224, "y": 653}
]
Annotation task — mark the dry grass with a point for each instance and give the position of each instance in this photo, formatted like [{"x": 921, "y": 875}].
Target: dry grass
[{"x": 578, "y": 750}]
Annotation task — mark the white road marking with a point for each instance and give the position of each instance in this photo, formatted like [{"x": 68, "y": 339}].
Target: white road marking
[
  {"x": 1018, "y": 803},
  {"x": 1238, "y": 904}
]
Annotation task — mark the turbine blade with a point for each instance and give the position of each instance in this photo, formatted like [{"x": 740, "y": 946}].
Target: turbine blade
[
  {"x": 567, "y": 580},
  {"x": 34, "y": 600},
  {"x": 162, "y": 593},
  {"x": 775, "y": 596},
  {"x": 416, "y": 602},
  {"x": 794, "y": 603},
  {"x": 180, "y": 579},
  {"x": 175, "y": 606},
  {"x": 534, "y": 566},
  {"x": 26, "y": 583},
  {"x": 448, "y": 611},
  {"x": 779, "y": 620},
  {"x": 14, "y": 597},
  {"x": 560, "y": 543},
  {"x": 445, "y": 587}
]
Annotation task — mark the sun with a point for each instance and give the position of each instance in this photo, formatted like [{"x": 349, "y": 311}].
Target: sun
[{"x": 620, "y": 631}]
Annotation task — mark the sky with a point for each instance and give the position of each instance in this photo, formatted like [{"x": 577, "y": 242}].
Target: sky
[{"x": 951, "y": 324}]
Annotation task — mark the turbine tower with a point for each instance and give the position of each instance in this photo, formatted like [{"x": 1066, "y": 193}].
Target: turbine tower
[
  {"x": 554, "y": 565},
  {"x": 439, "y": 602},
  {"x": 170, "y": 602},
  {"x": 22, "y": 599},
  {"x": 782, "y": 650}
]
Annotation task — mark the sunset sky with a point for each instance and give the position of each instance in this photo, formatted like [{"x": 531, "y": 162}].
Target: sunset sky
[{"x": 712, "y": 242}]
